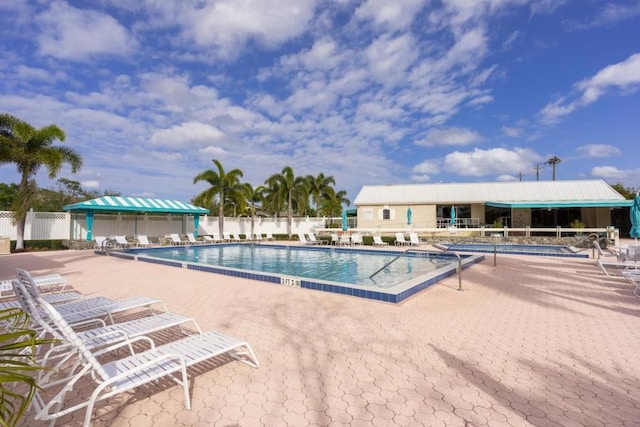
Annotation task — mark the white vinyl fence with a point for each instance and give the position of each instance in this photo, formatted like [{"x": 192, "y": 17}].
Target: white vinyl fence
[{"x": 73, "y": 226}]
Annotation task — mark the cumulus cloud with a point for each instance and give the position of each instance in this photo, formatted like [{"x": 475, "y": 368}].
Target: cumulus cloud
[
  {"x": 609, "y": 15},
  {"x": 598, "y": 150},
  {"x": 187, "y": 135},
  {"x": 624, "y": 76},
  {"x": 450, "y": 137},
  {"x": 423, "y": 171},
  {"x": 227, "y": 25},
  {"x": 90, "y": 184},
  {"x": 614, "y": 174},
  {"x": 512, "y": 132},
  {"x": 81, "y": 34},
  {"x": 389, "y": 14},
  {"x": 495, "y": 161}
]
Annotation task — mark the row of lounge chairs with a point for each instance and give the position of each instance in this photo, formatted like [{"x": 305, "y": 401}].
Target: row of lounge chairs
[
  {"x": 94, "y": 345},
  {"x": 103, "y": 242}
]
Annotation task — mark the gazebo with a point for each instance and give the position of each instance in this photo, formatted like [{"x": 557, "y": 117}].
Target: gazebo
[{"x": 135, "y": 204}]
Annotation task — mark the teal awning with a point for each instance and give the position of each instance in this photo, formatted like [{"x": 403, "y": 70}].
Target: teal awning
[
  {"x": 563, "y": 204},
  {"x": 136, "y": 204}
]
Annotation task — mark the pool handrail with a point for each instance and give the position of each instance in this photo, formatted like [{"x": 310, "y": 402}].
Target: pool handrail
[{"x": 403, "y": 253}]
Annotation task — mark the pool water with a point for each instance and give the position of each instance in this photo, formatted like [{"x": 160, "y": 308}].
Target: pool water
[
  {"x": 383, "y": 275},
  {"x": 516, "y": 249},
  {"x": 345, "y": 266}
]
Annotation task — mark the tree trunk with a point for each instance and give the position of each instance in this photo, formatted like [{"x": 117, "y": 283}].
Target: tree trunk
[
  {"x": 20, "y": 223},
  {"x": 221, "y": 215}
]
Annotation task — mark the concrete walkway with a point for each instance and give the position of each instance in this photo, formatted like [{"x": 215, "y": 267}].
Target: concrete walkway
[{"x": 534, "y": 341}]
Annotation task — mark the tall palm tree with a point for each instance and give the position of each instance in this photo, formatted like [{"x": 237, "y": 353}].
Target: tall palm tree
[
  {"x": 553, "y": 162},
  {"x": 286, "y": 190},
  {"x": 253, "y": 196},
  {"x": 30, "y": 149},
  {"x": 332, "y": 201},
  {"x": 225, "y": 185},
  {"x": 317, "y": 187}
]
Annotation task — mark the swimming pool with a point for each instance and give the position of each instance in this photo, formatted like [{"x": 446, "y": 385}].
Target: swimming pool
[
  {"x": 515, "y": 249},
  {"x": 375, "y": 274}
]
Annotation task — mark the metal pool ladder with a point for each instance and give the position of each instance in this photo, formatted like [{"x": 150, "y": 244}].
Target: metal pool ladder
[{"x": 403, "y": 253}]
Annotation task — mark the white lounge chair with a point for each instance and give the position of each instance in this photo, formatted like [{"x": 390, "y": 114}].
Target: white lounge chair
[
  {"x": 176, "y": 240},
  {"x": 143, "y": 241},
  {"x": 235, "y": 237},
  {"x": 101, "y": 243},
  {"x": 313, "y": 240},
  {"x": 269, "y": 236},
  {"x": 356, "y": 239},
  {"x": 121, "y": 375},
  {"x": 46, "y": 283},
  {"x": 345, "y": 240},
  {"x": 414, "y": 240},
  {"x": 89, "y": 308},
  {"x": 335, "y": 239},
  {"x": 98, "y": 336},
  {"x": 192, "y": 239},
  {"x": 257, "y": 237},
  {"x": 303, "y": 239},
  {"x": 226, "y": 237},
  {"x": 377, "y": 241},
  {"x": 121, "y": 241},
  {"x": 400, "y": 240}
]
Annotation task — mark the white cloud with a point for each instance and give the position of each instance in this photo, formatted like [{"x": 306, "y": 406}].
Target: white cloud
[
  {"x": 227, "y": 25},
  {"x": 450, "y": 137},
  {"x": 422, "y": 172},
  {"x": 512, "y": 132},
  {"x": 495, "y": 161},
  {"x": 506, "y": 178},
  {"x": 389, "y": 57},
  {"x": 609, "y": 172},
  {"x": 598, "y": 150},
  {"x": 186, "y": 135},
  {"x": 609, "y": 15},
  {"x": 90, "y": 184},
  {"x": 81, "y": 34},
  {"x": 624, "y": 75},
  {"x": 396, "y": 14}
]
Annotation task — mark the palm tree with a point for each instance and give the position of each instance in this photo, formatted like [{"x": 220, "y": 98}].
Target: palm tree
[
  {"x": 553, "y": 162},
  {"x": 30, "y": 149},
  {"x": 225, "y": 185},
  {"x": 332, "y": 201},
  {"x": 317, "y": 187},
  {"x": 253, "y": 196},
  {"x": 285, "y": 189}
]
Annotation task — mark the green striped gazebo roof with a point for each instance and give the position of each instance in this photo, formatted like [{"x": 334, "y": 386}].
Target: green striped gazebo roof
[{"x": 136, "y": 204}]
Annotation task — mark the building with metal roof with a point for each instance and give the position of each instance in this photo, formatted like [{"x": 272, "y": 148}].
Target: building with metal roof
[{"x": 514, "y": 204}]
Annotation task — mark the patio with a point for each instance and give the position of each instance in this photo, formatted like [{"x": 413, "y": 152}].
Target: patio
[{"x": 533, "y": 341}]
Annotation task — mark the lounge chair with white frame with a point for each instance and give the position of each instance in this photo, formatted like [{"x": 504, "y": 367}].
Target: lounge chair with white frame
[
  {"x": 633, "y": 276},
  {"x": 356, "y": 239},
  {"x": 414, "y": 240},
  {"x": 400, "y": 240},
  {"x": 257, "y": 237},
  {"x": 226, "y": 237},
  {"x": 45, "y": 283},
  {"x": 377, "y": 241},
  {"x": 345, "y": 240},
  {"x": 192, "y": 239},
  {"x": 91, "y": 308},
  {"x": 303, "y": 239},
  {"x": 313, "y": 240},
  {"x": 175, "y": 239},
  {"x": 121, "y": 241},
  {"x": 236, "y": 237},
  {"x": 95, "y": 337},
  {"x": 120, "y": 375},
  {"x": 335, "y": 239},
  {"x": 143, "y": 241}
]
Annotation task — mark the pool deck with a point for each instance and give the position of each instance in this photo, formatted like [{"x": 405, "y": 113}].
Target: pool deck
[{"x": 537, "y": 341}]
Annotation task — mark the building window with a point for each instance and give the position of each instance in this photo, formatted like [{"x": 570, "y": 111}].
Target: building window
[{"x": 386, "y": 214}]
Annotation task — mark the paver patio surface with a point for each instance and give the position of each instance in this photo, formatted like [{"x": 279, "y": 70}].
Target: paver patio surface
[{"x": 532, "y": 341}]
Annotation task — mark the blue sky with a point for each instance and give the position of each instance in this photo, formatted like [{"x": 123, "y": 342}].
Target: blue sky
[{"x": 370, "y": 92}]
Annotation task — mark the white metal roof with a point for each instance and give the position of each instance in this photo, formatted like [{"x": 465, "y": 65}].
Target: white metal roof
[{"x": 481, "y": 192}]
